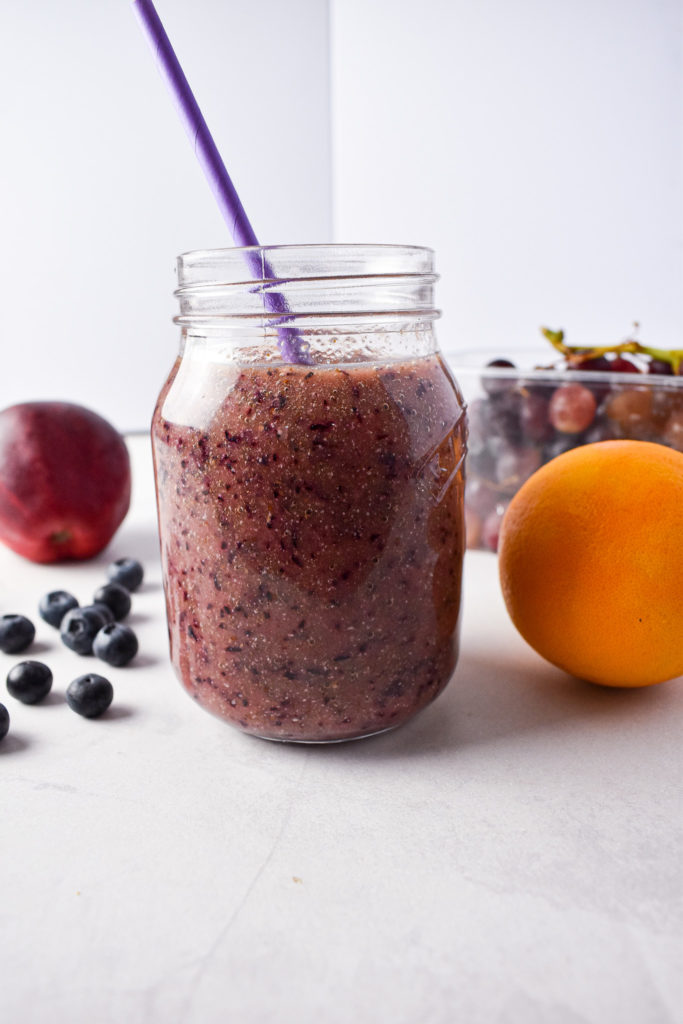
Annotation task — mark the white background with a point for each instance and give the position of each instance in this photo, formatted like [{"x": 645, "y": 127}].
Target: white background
[
  {"x": 538, "y": 146},
  {"x": 100, "y": 189}
]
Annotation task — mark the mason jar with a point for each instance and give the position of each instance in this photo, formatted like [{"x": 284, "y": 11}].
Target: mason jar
[{"x": 309, "y": 449}]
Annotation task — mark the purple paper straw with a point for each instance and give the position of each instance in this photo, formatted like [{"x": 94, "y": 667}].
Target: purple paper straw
[{"x": 292, "y": 348}]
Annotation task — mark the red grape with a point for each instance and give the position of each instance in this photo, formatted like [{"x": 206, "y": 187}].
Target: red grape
[
  {"x": 521, "y": 421},
  {"x": 480, "y": 496},
  {"x": 597, "y": 363},
  {"x": 572, "y": 408},
  {"x": 673, "y": 431},
  {"x": 660, "y": 366},
  {"x": 601, "y": 430},
  {"x": 560, "y": 443},
  {"x": 533, "y": 417},
  {"x": 478, "y": 425},
  {"x": 622, "y": 365},
  {"x": 495, "y": 384},
  {"x": 515, "y": 465},
  {"x": 631, "y": 410}
]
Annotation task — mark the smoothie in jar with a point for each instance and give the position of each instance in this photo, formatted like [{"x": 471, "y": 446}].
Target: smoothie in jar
[{"x": 311, "y": 521}]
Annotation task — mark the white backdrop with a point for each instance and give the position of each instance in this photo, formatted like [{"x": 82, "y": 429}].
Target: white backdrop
[
  {"x": 536, "y": 144},
  {"x": 100, "y": 190}
]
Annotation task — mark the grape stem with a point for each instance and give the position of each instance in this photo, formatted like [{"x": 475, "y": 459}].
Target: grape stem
[{"x": 578, "y": 353}]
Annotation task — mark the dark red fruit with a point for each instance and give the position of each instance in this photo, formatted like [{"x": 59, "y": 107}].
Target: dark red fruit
[
  {"x": 480, "y": 496},
  {"x": 596, "y": 364},
  {"x": 533, "y": 417},
  {"x": 673, "y": 431},
  {"x": 64, "y": 481},
  {"x": 515, "y": 465},
  {"x": 631, "y": 411},
  {"x": 660, "y": 367},
  {"x": 572, "y": 408},
  {"x": 498, "y": 384},
  {"x": 622, "y": 365}
]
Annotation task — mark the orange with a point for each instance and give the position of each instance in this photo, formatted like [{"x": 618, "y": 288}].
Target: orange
[{"x": 591, "y": 562}]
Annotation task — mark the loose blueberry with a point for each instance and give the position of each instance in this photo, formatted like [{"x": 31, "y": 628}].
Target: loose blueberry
[
  {"x": 105, "y": 611},
  {"x": 29, "y": 681},
  {"x": 54, "y": 606},
  {"x": 4, "y": 721},
  {"x": 99, "y": 613},
  {"x": 16, "y": 633},
  {"x": 89, "y": 695},
  {"x": 115, "y": 644},
  {"x": 80, "y": 626},
  {"x": 116, "y": 598},
  {"x": 126, "y": 571}
]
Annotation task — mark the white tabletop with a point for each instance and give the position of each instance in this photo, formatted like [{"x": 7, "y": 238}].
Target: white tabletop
[{"x": 513, "y": 855}]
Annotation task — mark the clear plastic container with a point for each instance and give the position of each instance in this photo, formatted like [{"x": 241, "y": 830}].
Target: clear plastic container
[{"x": 522, "y": 416}]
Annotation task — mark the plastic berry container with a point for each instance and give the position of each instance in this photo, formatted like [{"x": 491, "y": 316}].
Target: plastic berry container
[{"x": 523, "y": 415}]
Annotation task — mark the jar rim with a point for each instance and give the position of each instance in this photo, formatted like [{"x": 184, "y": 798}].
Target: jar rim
[
  {"x": 305, "y": 246},
  {"x": 319, "y": 280}
]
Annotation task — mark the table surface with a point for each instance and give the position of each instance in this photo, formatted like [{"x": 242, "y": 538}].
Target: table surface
[{"x": 512, "y": 855}]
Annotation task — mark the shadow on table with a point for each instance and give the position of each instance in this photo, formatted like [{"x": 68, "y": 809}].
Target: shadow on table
[
  {"x": 52, "y": 700},
  {"x": 14, "y": 743},
  {"x": 488, "y": 702}
]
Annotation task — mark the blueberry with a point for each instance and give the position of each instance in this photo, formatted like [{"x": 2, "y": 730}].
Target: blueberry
[
  {"x": 4, "y": 721},
  {"x": 79, "y": 627},
  {"x": 126, "y": 571},
  {"x": 16, "y": 633},
  {"x": 54, "y": 606},
  {"x": 105, "y": 611},
  {"x": 89, "y": 695},
  {"x": 99, "y": 613},
  {"x": 116, "y": 598},
  {"x": 29, "y": 681},
  {"x": 115, "y": 644}
]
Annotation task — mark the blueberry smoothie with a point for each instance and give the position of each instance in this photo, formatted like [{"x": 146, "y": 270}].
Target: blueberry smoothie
[{"x": 311, "y": 522}]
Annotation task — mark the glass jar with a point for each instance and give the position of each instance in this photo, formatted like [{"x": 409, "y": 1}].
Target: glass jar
[{"x": 311, "y": 511}]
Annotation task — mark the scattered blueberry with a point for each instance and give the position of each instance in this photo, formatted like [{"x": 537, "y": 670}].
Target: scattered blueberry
[
  {"x": 4, "y": 721},
  {"x": 54, "y": 606},
  {"x": 115, "y": 644},
  {"x": 89, "y": 695},
  {"x": 80, "y": 626},
  {"x": 99, "y": 613},
  {"x": 16, "y": 633},
  {"x": 29, "y": 681},
  {"x": 104, "y": 610},
  {"x": 126, "y": 571},
  {"x": 116, "y": 598}
]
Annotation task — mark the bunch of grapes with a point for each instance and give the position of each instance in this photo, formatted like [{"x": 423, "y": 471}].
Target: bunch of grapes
[{"x": 519, "y": 422}]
